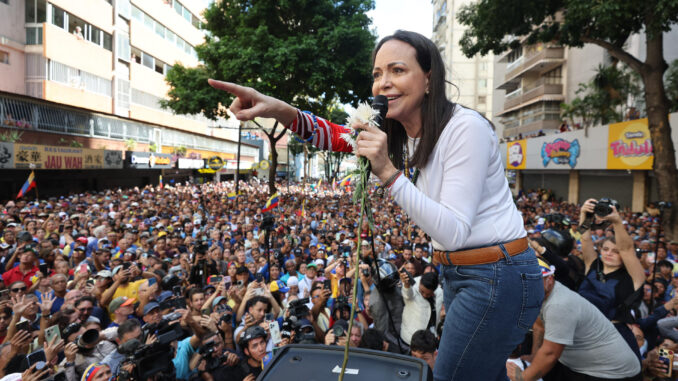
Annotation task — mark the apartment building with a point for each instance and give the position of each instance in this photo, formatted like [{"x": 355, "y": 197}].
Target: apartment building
[
  {"x": 104, "y": 56},
  {"x": 472, "y": 78}
]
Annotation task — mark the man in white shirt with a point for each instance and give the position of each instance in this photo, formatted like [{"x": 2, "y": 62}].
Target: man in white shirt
[
  {"x": 578, "y": 339},
  {"x": 423, "y": 301}
]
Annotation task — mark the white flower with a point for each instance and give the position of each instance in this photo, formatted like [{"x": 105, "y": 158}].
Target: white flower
[
  {"x": 364, "y": 114},
  {"x": 348, "y": 138}
]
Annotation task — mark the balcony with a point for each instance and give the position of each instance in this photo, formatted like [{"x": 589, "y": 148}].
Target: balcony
[
  {"x": 541, "y": 61},
  {"x": 513, "y": 99},
  {"x": 536, "y": 92},
  {"x": 534, "y": 127}
]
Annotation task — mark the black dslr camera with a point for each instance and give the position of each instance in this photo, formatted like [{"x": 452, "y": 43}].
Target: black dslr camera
[{"x": 602, "y": 208}]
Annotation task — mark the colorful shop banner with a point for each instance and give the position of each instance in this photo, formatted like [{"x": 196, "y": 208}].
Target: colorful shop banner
[
  {"x": 7, "y": 155},
  {"x": 215, "y": 163},
  {"x": 516, "y": 154},
  {"x": 629, "y": 145},
  {"x": 560, "y": 152},
  {"x": 148, "y": 160},
  {"x": 35, "y": 156}
]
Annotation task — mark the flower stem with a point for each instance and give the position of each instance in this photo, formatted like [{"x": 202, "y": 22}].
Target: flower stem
[{"x": 356, "y": 265}]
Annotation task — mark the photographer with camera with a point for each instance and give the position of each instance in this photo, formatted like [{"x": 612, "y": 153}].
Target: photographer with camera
[
  {"x": 127, "y": 331},
  {"x": 254, "y": 346},
  {"x": 203, "y": 266},
  {"x": 423, "y": 302},
  {"x": 614, "y": 278},
  {"x": 212, "y": 355}
]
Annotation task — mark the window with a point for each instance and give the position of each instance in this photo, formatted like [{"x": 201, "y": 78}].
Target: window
[
  {"x": 148, "y": 21},
  {"x": 123, "y": 47},
  {"x": 187, "y": 15},
  {"x": 482, "y": 99},
  {"x": 34, "y": 35},
  {"x": 159, "y": 66},
  {"x": 177, "y": 7},
  {"x": 58, "y": 17},
  {"x": 148, "y": 61},
  {"x": 30, "y": 11},
  {"x": 137, "y": 14},
  {"x": 4, "y": 57},
  {"x": 160, "y": 30},
  {"x": 74, "y": 23},
  {"x": 482, "y": 83},
  {"x": 41, "y": 10},
  {"x": 136, "y": 55},
  {"x": 108, "y": 41}
]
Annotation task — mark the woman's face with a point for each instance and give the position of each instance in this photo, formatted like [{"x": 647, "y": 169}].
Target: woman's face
[
  {"x": 610, "y": 255},
  {"x": 398, "y": 76}
]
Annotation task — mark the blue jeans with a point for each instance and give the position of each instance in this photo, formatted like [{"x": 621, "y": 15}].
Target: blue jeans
[{"x": 490, "y": 308}]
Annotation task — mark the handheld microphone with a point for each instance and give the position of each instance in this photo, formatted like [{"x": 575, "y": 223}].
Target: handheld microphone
[{"x": 380, "y": 104}]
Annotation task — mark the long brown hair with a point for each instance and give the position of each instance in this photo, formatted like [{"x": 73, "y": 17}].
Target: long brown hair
[{"x": 436, "y": 109}]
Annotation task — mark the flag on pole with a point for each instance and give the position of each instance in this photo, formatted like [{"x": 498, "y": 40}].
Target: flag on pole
[
  {"x": 160, "y": 182},
  {"x": 272, "y": 202},
  {"x": 346, "y": 181},
  {"x": 28, "y": 185},
  {"x": 317, "y": 187},
  {"x": 302, "y": 212}
]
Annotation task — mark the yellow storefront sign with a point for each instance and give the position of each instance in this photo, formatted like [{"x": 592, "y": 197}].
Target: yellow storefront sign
[
  {"x": 36, "y": 156},
  {"x": 516, "y": 154},
  {"x": 629, "y": 145}
]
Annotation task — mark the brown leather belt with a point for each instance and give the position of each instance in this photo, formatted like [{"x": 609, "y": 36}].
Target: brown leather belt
[{"x": 481, "y": 255}]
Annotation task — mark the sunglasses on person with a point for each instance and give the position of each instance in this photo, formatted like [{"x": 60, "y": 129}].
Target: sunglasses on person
[
  {"x": 18, "y": 289},
  {"x": 86, "y": 309}
]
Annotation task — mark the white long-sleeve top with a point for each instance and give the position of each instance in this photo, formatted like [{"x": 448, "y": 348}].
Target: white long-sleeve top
[{"x": 461, "y": 199}]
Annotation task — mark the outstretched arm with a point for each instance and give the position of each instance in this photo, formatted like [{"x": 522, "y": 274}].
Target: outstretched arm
[{"x": 250, "y": 104}]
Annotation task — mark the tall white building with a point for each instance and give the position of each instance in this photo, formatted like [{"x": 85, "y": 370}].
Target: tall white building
[{"x": 472, "y": 78}]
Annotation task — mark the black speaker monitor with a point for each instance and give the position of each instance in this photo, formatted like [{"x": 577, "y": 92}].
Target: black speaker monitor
[{"x": 310, "y": 362}]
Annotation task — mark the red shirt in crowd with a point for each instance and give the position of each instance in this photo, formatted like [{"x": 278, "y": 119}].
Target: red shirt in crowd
[{"x": 15, "y": 274}]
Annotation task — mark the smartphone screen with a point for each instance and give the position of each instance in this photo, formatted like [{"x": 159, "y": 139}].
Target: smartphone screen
[
  {"x": 23, "y": 326},
  {"x": 151, "y": 281},
  {"x": 327, "y": 284},
  {"x": 36, "y": 356}
]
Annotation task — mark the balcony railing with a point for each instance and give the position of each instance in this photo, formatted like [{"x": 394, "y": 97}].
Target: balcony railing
[
  {"x": 531, "y": 61},
  {"x": 536, "y": 126}
]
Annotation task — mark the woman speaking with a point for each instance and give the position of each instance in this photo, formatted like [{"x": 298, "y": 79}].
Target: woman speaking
[{"x": 441, "y": 163}]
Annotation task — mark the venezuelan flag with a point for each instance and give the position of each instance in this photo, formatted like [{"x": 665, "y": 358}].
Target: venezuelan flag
[
  {"x": 28, "y": 185},
  {"x": 272, "y": 202},
  {"x": 231, "y": 196},
  {"x": 160, "y": 182},
  {"x": 346, "y": 181}
]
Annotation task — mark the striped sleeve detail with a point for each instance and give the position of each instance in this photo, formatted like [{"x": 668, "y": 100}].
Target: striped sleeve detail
[{"x": 326, "y": 137}]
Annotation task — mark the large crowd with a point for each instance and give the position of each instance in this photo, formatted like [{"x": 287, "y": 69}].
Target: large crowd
[{"x": 190, "y": 282}]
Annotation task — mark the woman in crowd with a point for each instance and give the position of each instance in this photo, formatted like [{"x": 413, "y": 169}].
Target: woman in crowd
[
  {"x": 614, "y": 277},
  {"x": 441, "y": 163}
]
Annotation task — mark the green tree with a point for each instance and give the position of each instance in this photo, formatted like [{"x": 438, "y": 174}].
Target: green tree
[
  {"x": 603, "y": 99},
  {"x": 307, "y": 53},
  {"x": 498, "y": 25}
]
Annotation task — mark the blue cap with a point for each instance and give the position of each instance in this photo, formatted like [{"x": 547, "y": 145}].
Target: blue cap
[
  {"x": 164, "y": 296},
  {"x": 150, "y": 307}
]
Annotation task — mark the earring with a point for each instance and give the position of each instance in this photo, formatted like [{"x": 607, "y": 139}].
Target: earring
[{"x": 427, "y": 91}]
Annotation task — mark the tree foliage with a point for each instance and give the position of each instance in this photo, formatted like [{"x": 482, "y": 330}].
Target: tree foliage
[
  {"x": 603, "y": 100},
  {"x": 307, "y": 53}
]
